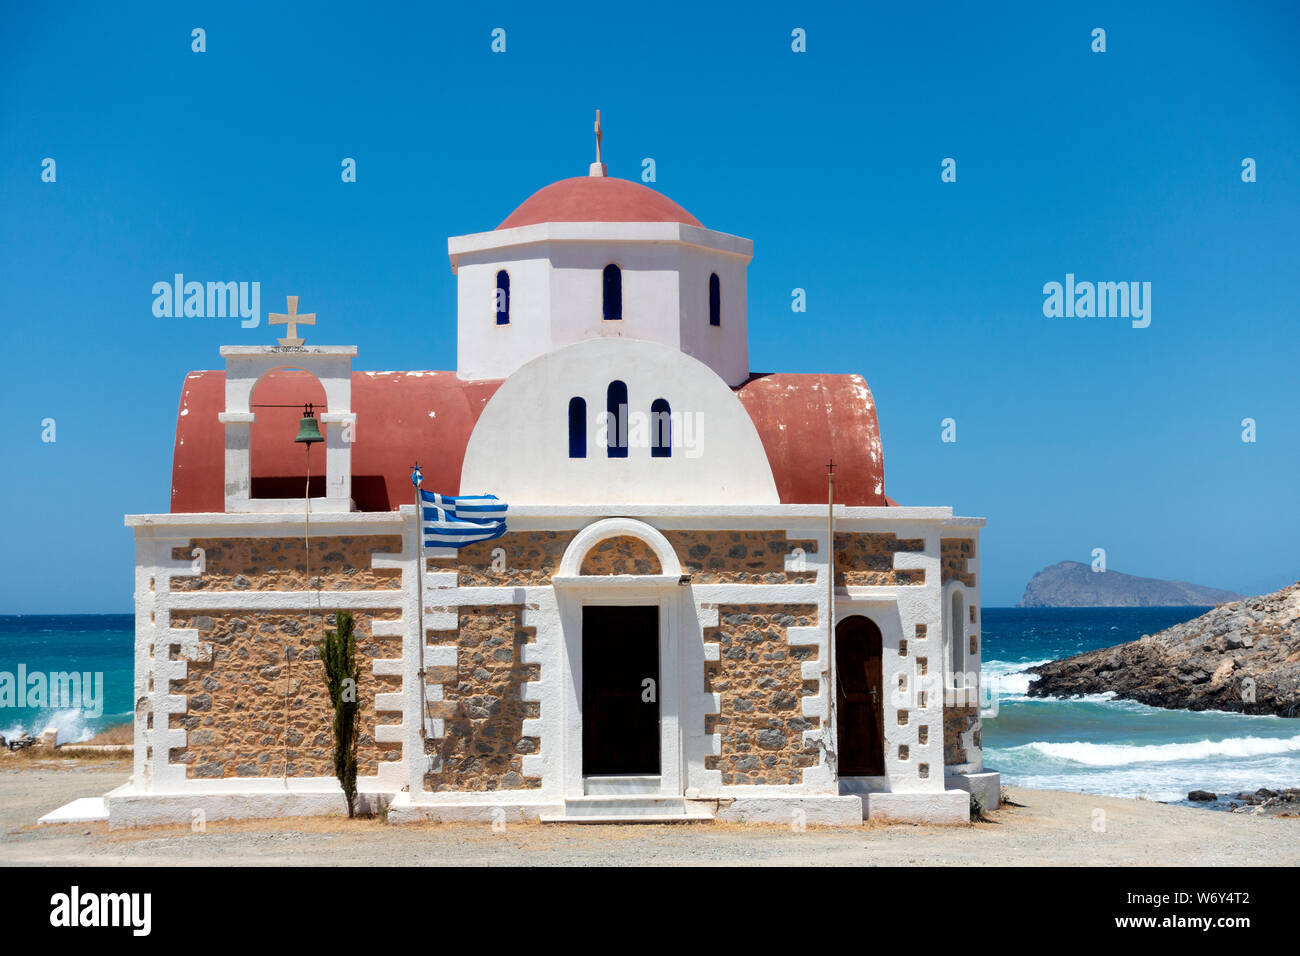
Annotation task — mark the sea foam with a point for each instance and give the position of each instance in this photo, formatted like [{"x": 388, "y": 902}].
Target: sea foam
[
  {"x": 1113, "y": 755},
  {"x": 72, "y": 725}
]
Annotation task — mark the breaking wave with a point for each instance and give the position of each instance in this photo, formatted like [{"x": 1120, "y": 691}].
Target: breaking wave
[
  {"x": 1115, "y": 755},
  {"x": 73, "y": 725}
]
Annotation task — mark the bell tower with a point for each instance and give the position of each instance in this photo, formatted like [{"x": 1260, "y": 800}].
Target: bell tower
[{"x": 331, "y": 366}]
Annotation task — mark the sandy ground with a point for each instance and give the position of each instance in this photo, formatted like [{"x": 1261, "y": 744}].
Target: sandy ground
[{"x": 1051, "y": 829}]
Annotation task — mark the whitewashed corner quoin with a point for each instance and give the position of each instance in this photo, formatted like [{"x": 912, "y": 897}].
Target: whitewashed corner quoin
[{"x": 649, "y": 640}]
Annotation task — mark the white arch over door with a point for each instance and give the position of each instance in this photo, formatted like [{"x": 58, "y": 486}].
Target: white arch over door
[{"x": 596, "y": 532}]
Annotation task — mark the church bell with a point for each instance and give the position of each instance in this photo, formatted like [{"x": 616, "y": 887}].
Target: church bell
[{"x": 308, "y": 430}]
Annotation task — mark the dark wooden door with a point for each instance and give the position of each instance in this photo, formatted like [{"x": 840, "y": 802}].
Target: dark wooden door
[
  {"x": 860, "y": 698},
  {"x": 620, "y": 712}
]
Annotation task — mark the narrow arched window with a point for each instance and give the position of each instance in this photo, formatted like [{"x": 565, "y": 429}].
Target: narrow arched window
[
  {"x": 616, "y": 421},
  {"x": 577, "y": 428},
  {"x": 661, "y": 429},
  {"x": 503, "y": 297},
  {"x": 956, "y": 639},
  {"x": 613, "y": 297},
  {"x": 715, "y": 300}
]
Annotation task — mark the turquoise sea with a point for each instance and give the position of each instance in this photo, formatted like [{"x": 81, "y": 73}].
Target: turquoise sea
[
  {"x": 96, "y": 644},
  {"x": 1100, "y": 745},
  {"x": 1094, "y": 744}
]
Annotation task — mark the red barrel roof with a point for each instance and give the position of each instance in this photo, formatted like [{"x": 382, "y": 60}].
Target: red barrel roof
[
  {"x": 802, "y": 420},
  {"x": 400, "y": 416},
  {"x": 597, "y": 199},
  {"x": 806, "y": 421}
]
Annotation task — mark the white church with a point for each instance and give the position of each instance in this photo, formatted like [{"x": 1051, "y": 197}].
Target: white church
[{"x": 675, "y": 625}]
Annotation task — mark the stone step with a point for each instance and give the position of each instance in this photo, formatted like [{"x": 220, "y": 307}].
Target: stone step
[
  {"x": 623, "y": 805},
  {"x": 626, "y": 808},
  {"x": 693, "y": 816},
  {"x": 605, "y": 786}
]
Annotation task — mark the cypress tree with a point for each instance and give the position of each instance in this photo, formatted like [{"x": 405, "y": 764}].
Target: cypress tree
[{"x": 338, "y": 653}]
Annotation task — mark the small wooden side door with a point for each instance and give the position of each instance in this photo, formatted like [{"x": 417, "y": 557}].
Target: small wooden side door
[{"x": 860, "y": 698}]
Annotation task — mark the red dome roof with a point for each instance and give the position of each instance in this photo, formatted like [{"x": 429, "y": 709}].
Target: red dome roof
[{"x": 597, "y": 199}]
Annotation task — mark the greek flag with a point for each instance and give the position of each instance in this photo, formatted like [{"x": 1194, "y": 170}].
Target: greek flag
[{"x": 451, "y": 521}]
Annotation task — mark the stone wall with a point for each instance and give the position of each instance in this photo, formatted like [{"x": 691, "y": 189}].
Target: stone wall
[
  {"x": 483, "y": 707},
  {"x": 279, "y": 564},
  {"x": 739, "y": 557},
  {"x": 622, "y": 555},
  {"x": 868, "y": 559},
  {"x": 953, "y": 555},
  {"x": 956, "y": 722},
  {"x": 244, "y": 679},
  {"x": 759, "y": 680},
  {"x": 531, "y": 558},
  {"x": 712, "y": 557}
]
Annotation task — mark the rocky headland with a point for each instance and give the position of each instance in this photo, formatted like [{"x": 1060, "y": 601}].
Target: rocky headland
[
  {"x": 1243, "y": 656},
  {"x": 1071, "y": 584}
]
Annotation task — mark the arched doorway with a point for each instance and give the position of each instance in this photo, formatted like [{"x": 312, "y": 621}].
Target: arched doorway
[{"x": 859, "y": 698}]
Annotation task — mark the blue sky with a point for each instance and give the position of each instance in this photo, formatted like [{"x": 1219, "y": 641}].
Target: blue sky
[{"x": 1072, "y": 433}]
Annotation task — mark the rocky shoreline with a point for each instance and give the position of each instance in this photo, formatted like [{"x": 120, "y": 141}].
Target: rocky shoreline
[
  {"x": 1263, "y": 802},
  {"x": 1243, "y": 656}
]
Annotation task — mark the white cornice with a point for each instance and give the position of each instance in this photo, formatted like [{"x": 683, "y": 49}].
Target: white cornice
[
  {"x": 535, "y": 513},
  {"x": 543, "y": 232},
  {"x": 245, "y": 351}
]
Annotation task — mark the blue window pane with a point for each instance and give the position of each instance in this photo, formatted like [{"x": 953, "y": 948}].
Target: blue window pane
[
  {"x": 613, "y": 298},
  {"x": 616, "y": 405},
  {"x": 577, "y": 428},
  {"x": 661, "y": 429},
  {"x": 503, "y": 297}
]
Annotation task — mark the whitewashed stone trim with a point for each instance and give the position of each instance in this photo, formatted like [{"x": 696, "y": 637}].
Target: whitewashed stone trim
[{"x": 323, "y": 602}]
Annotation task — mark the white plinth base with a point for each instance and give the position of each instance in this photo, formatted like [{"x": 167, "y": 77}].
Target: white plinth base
[
  {"x": 940, "y": 806},
  {"x": 126, "y": 807},
  {"x": 985, "y": 786},
  {"x": 829, "y": 810},
  {"x": 402, "y": 810},
  {"x": 129, "y": 808}
]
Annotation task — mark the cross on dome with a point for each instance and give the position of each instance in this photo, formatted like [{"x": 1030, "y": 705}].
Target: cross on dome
[{"x": 598, "y": 168}]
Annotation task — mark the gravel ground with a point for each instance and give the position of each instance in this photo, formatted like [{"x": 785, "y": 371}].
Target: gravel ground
[{"x": 1052, "y": 828}]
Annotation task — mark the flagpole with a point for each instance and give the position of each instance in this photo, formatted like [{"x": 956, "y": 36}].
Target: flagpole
[
  {"x": 288, "y": 658},
  {"x": 419, "y": 592},
  {"x": 833, "y": 695}
]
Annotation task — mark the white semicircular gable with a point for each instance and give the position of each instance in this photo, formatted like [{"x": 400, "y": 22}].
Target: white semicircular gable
[{"x": 520, "y": 450}]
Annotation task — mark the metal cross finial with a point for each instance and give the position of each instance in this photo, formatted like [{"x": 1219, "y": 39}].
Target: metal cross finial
[
  {"x": 597, "y": 137},
  {"x": 292, "y": 319}
]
